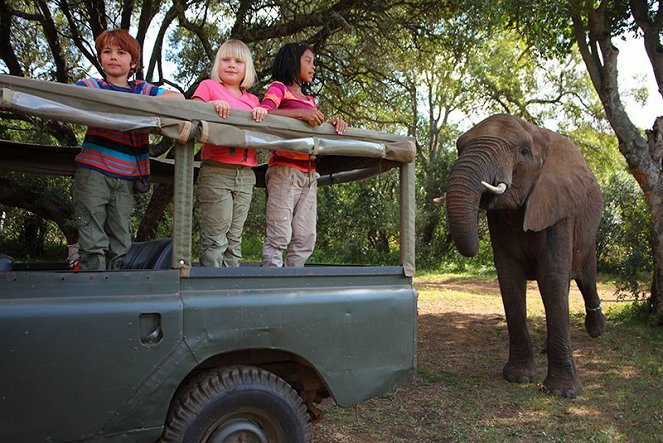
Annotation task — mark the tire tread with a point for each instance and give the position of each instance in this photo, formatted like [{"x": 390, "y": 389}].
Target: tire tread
[{"x": 204, "y": 387}]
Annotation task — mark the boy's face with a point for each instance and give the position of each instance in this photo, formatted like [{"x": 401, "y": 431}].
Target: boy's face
[{"x": 116, "y": 62}]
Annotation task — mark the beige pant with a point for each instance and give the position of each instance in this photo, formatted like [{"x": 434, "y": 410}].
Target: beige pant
[
  {"x": 290, "y": 216},
  {"x": 224, "y": 198}
]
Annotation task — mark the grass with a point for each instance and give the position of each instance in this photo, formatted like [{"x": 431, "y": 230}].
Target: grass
[{"x": 460, "y": 395}]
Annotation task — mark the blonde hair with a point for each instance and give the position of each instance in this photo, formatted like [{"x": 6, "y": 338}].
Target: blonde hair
[{"x": 236, "y": 49}]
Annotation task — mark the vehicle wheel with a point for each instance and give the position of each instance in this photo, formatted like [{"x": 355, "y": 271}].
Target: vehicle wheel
[{"x": 237, "y": 404}]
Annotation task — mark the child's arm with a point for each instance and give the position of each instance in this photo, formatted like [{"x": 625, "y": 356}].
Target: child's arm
[
  {"x": 312, "y": 116},
  {"x": 259, "y": 113},
  {"x": 172, "y": 94},
  {"x": 340, "y": 124},
  {"x": 222, "y": 107}
]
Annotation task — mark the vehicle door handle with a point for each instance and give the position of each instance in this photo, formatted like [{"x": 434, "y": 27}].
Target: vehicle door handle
[{"x": 149, "y": 325}]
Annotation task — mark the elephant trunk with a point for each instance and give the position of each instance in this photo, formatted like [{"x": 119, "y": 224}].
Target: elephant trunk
[{"x": 463, "y": 197}]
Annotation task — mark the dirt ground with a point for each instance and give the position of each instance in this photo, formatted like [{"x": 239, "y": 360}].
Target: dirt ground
[{"x": 462, "y": 346}]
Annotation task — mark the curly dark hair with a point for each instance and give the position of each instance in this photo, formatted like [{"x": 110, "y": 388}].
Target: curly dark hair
[{"x": 287, "y": 64}]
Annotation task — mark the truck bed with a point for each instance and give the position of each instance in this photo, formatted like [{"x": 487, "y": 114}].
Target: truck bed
[{"x": 104, "y": 352}]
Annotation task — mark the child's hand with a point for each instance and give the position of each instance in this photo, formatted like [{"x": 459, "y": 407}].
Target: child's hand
[
  {"x": 172, "y": 94},
  {"x": 312, "y": 116},
  {"x": 341, "y": 125},
  {"x": 259, "y": 113},
  {"x": 222, "y": 107}
]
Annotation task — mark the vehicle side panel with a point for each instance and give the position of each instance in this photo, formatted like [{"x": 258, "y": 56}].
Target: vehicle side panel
[
  {"x": 77, "y": 358},
  {"x": 356, "y": 326}
]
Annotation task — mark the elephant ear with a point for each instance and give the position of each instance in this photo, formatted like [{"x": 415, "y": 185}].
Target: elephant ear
[{"x": 562, "y": 187}]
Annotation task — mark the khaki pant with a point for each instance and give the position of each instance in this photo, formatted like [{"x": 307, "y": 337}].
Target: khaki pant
[
  {"x": 224, "y": 197},
  {"x": 290, "y": 216},
  {"x": 102, "y": 210}
]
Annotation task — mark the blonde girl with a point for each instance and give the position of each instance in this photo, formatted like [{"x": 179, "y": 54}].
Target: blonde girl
[{"x": 226, "y": 179}]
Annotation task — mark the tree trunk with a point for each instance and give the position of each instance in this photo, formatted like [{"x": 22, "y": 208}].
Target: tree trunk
[
  {"x": 161, "y": 197},
  {"x": 27, "y": 195},
  {"x": 644, "y": 157},
  {"x": 655, "y": 200}
]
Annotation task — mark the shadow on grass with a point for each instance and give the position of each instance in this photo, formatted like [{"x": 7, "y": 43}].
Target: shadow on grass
[{"x": 460, "y": 395}]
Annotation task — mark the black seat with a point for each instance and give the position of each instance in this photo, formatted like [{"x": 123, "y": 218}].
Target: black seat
[
  {"x": 6, "y": 263},
  {"x": 153, "y": 254}
]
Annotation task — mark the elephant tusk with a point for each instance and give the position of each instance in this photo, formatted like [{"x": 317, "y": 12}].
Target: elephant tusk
[
  {"x": 499, "y": 189},
  {"x": 439, "y": 200}
]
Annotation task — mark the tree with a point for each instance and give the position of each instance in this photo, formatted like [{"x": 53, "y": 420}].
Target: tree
[
  {"x": 643, "y": 154},
  {"x": 553, "y": 26},
  {"x": 406, "y": 67},
  {"x": 54, "y": 41},
  {"x": 456, "y": 87}
]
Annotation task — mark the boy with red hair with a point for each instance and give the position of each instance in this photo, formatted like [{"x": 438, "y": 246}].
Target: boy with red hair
[{"x": 111, "y": 162}]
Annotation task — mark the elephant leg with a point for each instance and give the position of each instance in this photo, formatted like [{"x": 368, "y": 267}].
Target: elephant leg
[
  {"x": 594, "y": 318},
  {"x": 520, "y": 366},
  {"x": 513, "y": 286},
  {"x": 512, "y": 278},
  {"x": 553, "y": 277}
]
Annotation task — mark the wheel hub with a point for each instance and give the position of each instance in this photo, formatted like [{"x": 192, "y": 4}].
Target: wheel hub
[{"x": 239, "y": 430}]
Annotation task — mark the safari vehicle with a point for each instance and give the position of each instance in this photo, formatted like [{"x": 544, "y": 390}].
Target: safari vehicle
[{"x": 169, "y": 350}]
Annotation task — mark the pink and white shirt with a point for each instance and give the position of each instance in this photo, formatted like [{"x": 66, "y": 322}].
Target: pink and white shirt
[{"x": 210, "y": 90}]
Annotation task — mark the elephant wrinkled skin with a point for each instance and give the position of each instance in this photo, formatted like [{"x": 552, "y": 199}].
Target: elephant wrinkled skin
[{"x": 542, "y": 227}]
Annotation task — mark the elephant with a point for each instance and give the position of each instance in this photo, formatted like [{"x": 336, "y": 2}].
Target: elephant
[{"x": 543, "y": 207}]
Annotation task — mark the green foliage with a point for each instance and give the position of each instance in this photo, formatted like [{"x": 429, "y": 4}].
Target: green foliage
[
  {"x": 427, "y": 68},
  {"x": 358, "y": 222},
  {"x": 194, "y": 63},
  {"x": 622, "y": 243},
  {"x": 598, "y": 145},
  {"x": 546, "y": 24},
  {"x": 629, "y": 314},
  {"x": 254, "y": 228},
  {"x": 28, "y": 236}
]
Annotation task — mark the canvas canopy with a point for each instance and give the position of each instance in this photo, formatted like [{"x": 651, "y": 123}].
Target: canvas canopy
[
  {"x": 355, "y": 155},
  {"x": 358, "y": 150}
]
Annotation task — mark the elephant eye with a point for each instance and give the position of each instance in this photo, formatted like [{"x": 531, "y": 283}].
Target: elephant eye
[{"x": 524, "y": 151}]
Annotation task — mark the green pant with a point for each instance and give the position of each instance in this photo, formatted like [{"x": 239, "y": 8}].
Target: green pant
[
  {"x": 224, "y": 197},
  {"x": 102, "y": 210}
]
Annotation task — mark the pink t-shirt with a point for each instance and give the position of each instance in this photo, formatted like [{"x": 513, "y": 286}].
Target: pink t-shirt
[
  {"x": 210, "y": 90},
  {"x": 279, "y": 96}
]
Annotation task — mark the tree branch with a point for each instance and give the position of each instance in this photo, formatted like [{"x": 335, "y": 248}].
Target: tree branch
[
  {"x": 651, "y": 28},
  {"x": 195, "y": 29},
  {"x": 127, "y": 11},
  {"x": 51, "y": 34},
  {"x": 76, "y": 37},
  {"x": 6, "y": 50},
  {"x": 97, "y": 11},
  {"x": 158, "y": 42},
  {"x": 147, "y": 13}
]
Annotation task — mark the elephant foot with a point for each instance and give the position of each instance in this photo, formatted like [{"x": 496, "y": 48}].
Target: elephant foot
[
  {"x": 519, "y": 374},
  {"x": 595, "y": 322},
  {"x": 562, "y": 388}
]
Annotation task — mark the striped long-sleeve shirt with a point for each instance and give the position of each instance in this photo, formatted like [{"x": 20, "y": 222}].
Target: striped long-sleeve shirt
[
  {"x": 279, "y": 96},
  {"x": 114, "y": 153}
]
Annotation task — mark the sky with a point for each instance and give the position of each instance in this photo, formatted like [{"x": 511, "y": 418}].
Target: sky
[{"x": 635, "y": 69}]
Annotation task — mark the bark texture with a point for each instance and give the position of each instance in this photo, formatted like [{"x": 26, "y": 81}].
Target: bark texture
[{"x": 644, "y": 155}]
